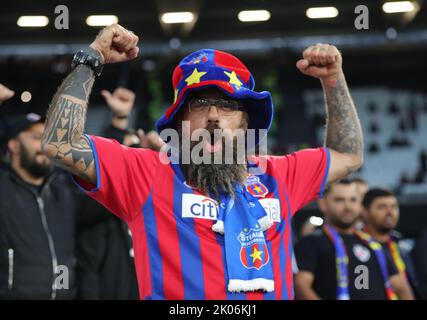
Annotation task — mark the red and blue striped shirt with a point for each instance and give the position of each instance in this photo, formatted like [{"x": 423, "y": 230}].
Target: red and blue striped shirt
[{"x": 177, "y": 255}]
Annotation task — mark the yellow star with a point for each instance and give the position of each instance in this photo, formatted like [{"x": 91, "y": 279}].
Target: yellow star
[
  {"x": 257, "y": 188},
  {"x": 194, "y": 77},
  {"x": 175, "y": 95},
  {"x": 256, "y": 255},
  {"x": 233, "y": 78}
]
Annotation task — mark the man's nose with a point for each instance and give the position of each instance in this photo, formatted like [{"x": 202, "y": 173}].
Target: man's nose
[{"x": 213, "y": 114}]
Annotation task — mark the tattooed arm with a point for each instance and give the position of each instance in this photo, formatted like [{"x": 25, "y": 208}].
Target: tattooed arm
[
  {"x": 63, "y": 139},
  {"x": 344, "y": 136}
]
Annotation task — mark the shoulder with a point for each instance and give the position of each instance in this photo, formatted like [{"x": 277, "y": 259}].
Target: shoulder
[{"x": 304, "y": 156}]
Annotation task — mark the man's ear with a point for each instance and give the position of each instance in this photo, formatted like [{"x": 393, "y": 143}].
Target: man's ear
[{"x": 13, "y": 146}]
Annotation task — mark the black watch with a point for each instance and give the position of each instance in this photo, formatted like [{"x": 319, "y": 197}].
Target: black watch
[{"x": 93, "y": 62}]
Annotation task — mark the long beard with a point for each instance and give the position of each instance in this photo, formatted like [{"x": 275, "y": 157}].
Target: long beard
[{"x": 216, "y": 178}]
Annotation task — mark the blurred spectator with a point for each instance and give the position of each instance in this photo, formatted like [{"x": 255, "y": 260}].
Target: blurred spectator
[
  {"x": 104, "y": 241},
  {"x": 398, "y": 142},
  {"x": 413, "y": 117},
  {"x": 402, "y": 123},
  {"x": 37, "y": 217},
  {"x": 393, "y": 108},
  {"x": 5, "y": 93},
  {"x": 419, "y": 254},
  {"x": 372, "y": 107},
  {"x": 381, "y": 215},
  {"x": 361, "y": 187},
  {"x": 327, "y": 259},
  {"x": 373, "y": 148},
  {"x": 423, "y": 160},
  {"x": 373, "y": 127},
  {"x": 419, "y": 177}
]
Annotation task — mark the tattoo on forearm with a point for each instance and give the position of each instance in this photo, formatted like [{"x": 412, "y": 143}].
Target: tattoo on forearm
[
  {"x": 343, "y": 129},
  {"x": 64, "y": 132}
]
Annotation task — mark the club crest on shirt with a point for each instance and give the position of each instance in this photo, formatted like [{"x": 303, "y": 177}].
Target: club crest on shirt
[
  {"x": 254, "y": 252},
  {"x": 362, "y": 253},
  {"x": 256, "y": 187}
]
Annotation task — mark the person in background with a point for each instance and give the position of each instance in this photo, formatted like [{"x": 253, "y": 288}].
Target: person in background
[
  {"x": 361, "y": 187},
  {"x": 37, "y": 219},
  {"x": 5, "y": 93},
  {"x": 419, "y": 256},
  {"x": 105, "y": 241},
  {"x": 381, "y": 215},
  {"x": 328, "y": 259}
]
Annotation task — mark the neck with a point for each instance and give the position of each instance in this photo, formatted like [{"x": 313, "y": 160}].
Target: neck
[
  {"x": 382, "y": 237},
  {"x": 26, "y": 176}
]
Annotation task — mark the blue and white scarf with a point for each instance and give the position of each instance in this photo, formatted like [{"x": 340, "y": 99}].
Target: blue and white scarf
[{"x": 243, "y": 220}]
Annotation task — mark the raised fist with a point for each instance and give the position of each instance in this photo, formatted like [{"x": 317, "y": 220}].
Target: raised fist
[
  {"x": 151, "y": 140},
  {"x": 121, "y": 101},
  {"x": 5, "y": 93},
  {"x": 116, "y": 44},
  {"x": 322, "y": 61}
]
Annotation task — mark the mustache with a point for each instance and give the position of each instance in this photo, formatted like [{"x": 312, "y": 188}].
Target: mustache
[{"x": 212, "y": 126}]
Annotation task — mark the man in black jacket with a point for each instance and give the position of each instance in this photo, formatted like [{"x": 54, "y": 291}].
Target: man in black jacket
[{"x": 37, "y": 216}]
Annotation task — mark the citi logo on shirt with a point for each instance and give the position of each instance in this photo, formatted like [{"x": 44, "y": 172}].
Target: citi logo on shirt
[
  {"x": 271, "y": 207},
  {"x": 198, "y": 206},
  {"x": 202, "y": 207}
]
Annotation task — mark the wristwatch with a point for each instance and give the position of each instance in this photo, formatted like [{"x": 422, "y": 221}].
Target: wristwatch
[{"x": 92, "y": 61}]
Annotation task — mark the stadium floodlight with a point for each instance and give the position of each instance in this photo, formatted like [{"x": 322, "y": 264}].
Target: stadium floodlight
[
  {"x": 254, "y": 15},
  {"x": 177, "y": 17},
  {"x": 322, "y": 12},
  {"x": 398, "y": 7},
  {"x": 101, "y": 20},
  {"x": 33, "y": 21}
]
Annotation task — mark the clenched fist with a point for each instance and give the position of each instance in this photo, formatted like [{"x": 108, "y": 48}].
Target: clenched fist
[
  {"x": 5, "y": 93},
  {"x": 151, "y": 140},
  {"x": 322, "y": 61},
  {"x": 121, "y": 101},
  {"x": 116, "y": 44}
]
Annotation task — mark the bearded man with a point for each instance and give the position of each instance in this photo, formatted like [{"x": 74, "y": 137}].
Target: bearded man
[
  {"x": 203, "y": 229},
  {"x": 37, "y": 218}
]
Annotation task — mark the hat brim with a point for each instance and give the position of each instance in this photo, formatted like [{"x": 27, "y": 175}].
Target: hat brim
[{"x": 258, "y": 105}]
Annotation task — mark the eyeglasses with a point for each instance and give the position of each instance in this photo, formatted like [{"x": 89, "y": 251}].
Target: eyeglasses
[{"x": 227, "y": 107}]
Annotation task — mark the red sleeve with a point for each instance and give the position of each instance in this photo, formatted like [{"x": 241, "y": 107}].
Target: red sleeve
[
  {"x": 124, "y": 176},
  {"x": 304, "y": 173}
]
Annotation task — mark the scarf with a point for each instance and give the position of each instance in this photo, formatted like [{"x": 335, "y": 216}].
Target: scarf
[
  {"x": 242, "y": 220},
  {"x": 381, "y": 259},
  {"x": 343, "y": 292},
  {"x": 395, "y": 255}
]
